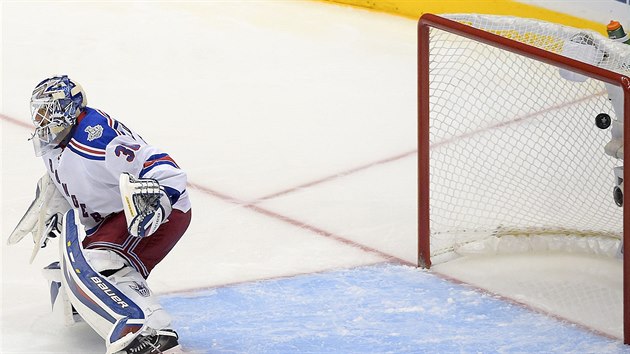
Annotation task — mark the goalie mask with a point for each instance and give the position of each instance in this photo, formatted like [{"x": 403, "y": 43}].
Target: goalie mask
[{"x": 55, "y": 105}]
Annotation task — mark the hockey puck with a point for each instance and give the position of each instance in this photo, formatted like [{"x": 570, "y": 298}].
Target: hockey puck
[
  {"x": 618, "y": 196},
  {"x": 602, "y": 121}
]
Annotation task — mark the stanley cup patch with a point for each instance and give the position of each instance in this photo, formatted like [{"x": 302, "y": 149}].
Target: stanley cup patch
[{"x": 94, "y": 132}]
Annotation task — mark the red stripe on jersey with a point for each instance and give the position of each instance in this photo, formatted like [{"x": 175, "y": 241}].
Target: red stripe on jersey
[
  {"x": 165, "y": 158},
  {"x": 80, "y": 117},
  {"x": 81, "y": 147}
]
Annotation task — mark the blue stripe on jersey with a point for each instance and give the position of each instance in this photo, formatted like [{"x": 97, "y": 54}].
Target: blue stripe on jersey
[
  {"x": 101, "y": 136},
  {"x": 156, "y": 157},
  {"x": 82, "y": 154},
  {"x": 172, "y": 194},
  {"x": 165, "y": 162}
]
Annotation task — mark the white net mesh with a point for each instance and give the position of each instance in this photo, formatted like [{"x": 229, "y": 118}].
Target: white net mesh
[
  {"x": 514, "y": 150},
  {"x": 551, "y": 37}
]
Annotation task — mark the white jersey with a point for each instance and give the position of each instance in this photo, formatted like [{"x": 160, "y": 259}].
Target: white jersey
[{"x": 100, "y": 149}]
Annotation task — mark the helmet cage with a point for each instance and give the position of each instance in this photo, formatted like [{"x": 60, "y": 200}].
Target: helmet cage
[{"x": 55, "y": 106}]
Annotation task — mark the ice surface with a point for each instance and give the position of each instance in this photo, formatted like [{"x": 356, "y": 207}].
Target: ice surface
[
  {"x": 374, "y": 309},
  {"x": 296, "y": 122}
]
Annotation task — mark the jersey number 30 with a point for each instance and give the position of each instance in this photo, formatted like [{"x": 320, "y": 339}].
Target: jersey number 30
[{"x": 127, "y": 150}]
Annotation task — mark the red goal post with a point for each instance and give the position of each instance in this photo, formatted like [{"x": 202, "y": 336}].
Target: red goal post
[{"x": 428, "y": 104}]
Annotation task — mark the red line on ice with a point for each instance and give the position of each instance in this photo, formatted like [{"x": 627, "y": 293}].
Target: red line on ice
[
  {"x": 328, "y": 234},
  {"x": 295, "y": 222},
  {"x": 17, "y": 122},
  {"x": 338, "y": 175}
]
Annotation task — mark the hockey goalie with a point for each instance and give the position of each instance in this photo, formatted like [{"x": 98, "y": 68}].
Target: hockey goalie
[{"x": 117, "y": 205}]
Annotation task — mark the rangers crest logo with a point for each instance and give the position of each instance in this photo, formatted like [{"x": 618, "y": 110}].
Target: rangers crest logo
[
  {"x": 140, "y": 289},
  {"x": 94, "y": 132}
]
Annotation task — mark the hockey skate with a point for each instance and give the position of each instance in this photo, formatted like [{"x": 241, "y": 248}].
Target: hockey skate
[{"x": 163, "y": 341}]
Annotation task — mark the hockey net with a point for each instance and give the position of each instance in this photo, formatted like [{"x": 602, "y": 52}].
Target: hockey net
[{"x": 510, "y": 157}]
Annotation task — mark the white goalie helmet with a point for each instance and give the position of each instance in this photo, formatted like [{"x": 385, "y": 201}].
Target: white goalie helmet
[{"x": 56, "y": 103}]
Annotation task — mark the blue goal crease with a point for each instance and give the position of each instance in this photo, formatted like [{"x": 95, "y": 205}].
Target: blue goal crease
[{"x": 384, "y": 308}]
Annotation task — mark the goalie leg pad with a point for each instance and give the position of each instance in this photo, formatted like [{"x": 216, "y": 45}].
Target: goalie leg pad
[
  {"x": 61, "y": 306},
  {"x": 130, "y": 282},
  {"x": 110, "y": 295}
]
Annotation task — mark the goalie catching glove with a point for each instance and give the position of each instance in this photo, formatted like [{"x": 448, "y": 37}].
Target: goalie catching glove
[{"x": 145, "y": 204}]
